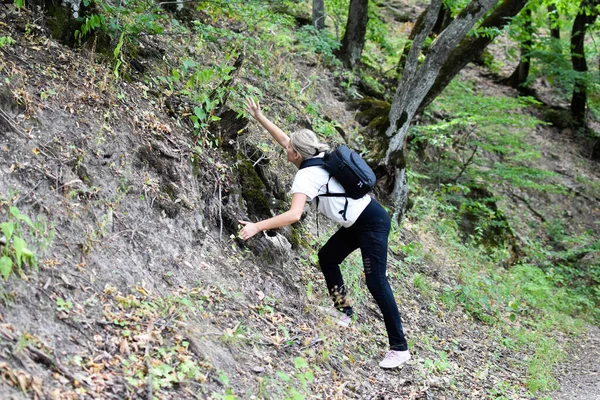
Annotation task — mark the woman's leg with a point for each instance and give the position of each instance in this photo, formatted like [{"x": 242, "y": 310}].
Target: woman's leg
[
  {"x": 373, "y": 238},
  {"x": 337, "y": 248}
]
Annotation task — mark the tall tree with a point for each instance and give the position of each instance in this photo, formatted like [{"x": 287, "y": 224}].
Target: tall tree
[
  {"x": 519, "y": 76},
  {"x": 553, "y": 20},
  {"x": 416, "y": 82},
  {"x": 471, "y": 48},
  {"x": 354, "y": 37},
  {"x": 318, "y": 14},
  {"x": 588, "y": 11},
  {"x": 444, "y": 18}
]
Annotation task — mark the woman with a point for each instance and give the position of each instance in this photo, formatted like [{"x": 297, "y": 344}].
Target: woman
[{"x": 365, "y": 225}]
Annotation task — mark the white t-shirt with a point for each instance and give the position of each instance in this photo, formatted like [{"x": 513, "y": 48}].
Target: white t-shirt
[{"x": 312, "y": 181}]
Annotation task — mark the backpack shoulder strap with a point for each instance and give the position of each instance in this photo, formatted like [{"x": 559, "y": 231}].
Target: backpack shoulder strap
[{"x": 311, "y": 162}]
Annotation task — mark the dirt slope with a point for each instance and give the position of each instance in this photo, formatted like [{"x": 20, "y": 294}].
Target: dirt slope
[{"x": 143, "y": 291}]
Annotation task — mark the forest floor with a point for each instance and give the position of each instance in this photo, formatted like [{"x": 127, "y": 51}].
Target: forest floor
[
  {"x": 580, "y": 376},
  {"x": 143, "y": 290}
]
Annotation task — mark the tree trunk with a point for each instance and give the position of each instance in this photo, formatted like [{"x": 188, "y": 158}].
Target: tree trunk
[
  {"x": 318, "y": 14},
  {"x": 553, "y": 18},
  {"x": 443, "y": 20},
  {"x": 471, "y": 48},
  {"x": 519, "y": 76},
  {"x": 586, "y": 16},
  {"x": 416, "y": 83},
  {"x": 354, "y": 37}
]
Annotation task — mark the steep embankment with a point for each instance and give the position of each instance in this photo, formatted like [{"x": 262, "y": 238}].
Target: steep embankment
[{"x": 141, "y": 287}]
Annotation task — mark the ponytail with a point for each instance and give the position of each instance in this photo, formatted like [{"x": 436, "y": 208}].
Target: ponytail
[{"x": 306, "y": 143}]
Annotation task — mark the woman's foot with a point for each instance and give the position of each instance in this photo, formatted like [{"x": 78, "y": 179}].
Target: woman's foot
[
  {"x": 340, "y": 318},
  {"x": 395, "y": 358}
]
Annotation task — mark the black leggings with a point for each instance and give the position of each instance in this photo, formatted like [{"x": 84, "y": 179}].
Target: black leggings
[{"x": 370, "y": 234}]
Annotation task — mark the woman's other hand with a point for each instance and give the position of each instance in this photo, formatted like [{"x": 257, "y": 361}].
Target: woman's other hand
[
  {"x": 250, "y": 229},
  {"x": 253, "y": 108}
]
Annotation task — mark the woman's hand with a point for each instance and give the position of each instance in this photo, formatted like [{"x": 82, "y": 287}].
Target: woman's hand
[
  {"x": 253, "y": 108},
  {"x": 250, "y": 229}
]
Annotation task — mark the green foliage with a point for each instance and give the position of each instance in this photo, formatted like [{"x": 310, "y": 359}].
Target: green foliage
[
  {"x": 523, "y": 303},
  {"x": 15, "y": 252},
  {"x": 6, "y": 41},
  {"x": 562, "y": 256},
  {"x": 62, "y": 305},
  {"x": 319, "y": 124},
  {"x": 203, "y": 87},
  {"x": 118, "y": 56},
  {"x": 487, "y": 135},
  {"x": 90, "y": 24},
  {"x": 321, "y": 42},
  {"x": 19, "y": 3},
  {"x": 550, "y": 57},
  {"x": 122, "y": 23},
  {"x": 377, "y": 31},
  {"x": 296, "y": 385},
  {"x": 337, "y": 12}
]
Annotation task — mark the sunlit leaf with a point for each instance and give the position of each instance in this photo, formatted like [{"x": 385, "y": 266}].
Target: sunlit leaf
[
  {"x": 5, "y": 266},
  {"x": 8, "y": 229}
]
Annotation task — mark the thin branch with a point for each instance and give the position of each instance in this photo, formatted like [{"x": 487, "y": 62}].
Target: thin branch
[
  {"x": 38, "y": 169},
  {"x": 262, "y": 157},
  {"x": 45, "y": 359},
  {"x": 466, "y": 164},
  {"x": 524, "y": 200},
  {"x": 178, "y": 2},
  {"x": 149, "y": 361},
  {"x": 220, "y": 214},
  {"x": 8, "y": 120}
]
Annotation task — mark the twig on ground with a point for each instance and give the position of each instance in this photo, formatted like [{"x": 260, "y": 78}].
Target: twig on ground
[
  {"x": 262, "y": 157},
  {"x": 8, "y": 120},
  {"x": 524, "y": 200},
  {"x": 45, "y": 359},
  {"x": 220, "y": 215},
  {"x": 149, "y": 362},
  {"x": 40, "y": 170},
  {"x": 29, "y": 193}
]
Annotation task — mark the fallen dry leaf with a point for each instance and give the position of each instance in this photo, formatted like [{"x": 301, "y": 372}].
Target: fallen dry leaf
[{"x": 124, "y": 347}]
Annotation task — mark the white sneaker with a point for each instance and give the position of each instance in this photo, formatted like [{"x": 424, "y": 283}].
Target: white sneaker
[
  {"x": 339, "y": 317},
  {"x": 394, "y": 359},
  {"x": 343, "y": 320}
]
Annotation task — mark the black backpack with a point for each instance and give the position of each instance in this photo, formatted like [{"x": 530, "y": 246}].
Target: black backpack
[{"x": 350, "y": 170}]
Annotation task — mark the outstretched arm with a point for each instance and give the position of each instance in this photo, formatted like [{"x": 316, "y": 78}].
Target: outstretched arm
[
  {"x": 287, "y": 218},
  {"x": 279, "y": 135}
]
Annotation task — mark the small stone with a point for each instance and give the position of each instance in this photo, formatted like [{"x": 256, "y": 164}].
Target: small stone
[{"x": 258, "y": 369}]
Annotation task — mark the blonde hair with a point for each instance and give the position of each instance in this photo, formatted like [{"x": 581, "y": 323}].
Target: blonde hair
[{"x": 306, "y": 143}]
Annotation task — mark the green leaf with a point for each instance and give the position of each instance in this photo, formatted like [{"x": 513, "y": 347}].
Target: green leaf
[
  {"x": 17, "y": 214},
  {"x": 19, "y": 245},
  {"x": 117, "y": 50},
  {"x": 283, "y": 376},
  {"x": 223, "y": 378},
  {"x": 300, "y": 362},
  {"x": 199, "y": 112},
  {"x": 309, "y": 376},
  {"x": 296, "y": 395},
  {"x": 5, "y": 266},
  {"x": 8, "y": 229}
]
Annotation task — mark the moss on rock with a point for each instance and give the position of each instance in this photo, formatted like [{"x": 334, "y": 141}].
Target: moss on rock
[{"x": 254, "y": 191}]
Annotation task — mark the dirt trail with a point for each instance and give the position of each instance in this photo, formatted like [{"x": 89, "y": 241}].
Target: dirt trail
[{"x": 581, "y": 373}]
